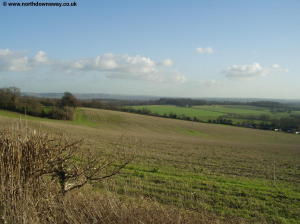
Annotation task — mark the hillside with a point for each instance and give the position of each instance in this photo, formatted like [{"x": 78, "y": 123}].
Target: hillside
[
  {"x": 227, "y": 171},
  {"x": 240, "y": 115}
]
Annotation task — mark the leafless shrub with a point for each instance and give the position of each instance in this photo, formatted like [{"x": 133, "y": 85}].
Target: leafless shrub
[
  {"x": 42, "y": 179},
  {"x": 38, "y": 169}
]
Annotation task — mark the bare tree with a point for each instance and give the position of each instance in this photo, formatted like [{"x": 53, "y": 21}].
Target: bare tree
[{"x": 29, "y": 157}]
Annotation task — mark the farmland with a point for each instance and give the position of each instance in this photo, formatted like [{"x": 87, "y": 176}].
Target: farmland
[
  {"x": 231, "y": 173},
  {"x": 237, "y": 113}
]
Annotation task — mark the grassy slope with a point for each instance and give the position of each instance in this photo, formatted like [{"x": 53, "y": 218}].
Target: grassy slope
[
  {"x": 236, "y": 109},
  {"x": 222, "y": 169},
  {"x": 191, "y": 112},
  {"x": 214, "y": 111}
]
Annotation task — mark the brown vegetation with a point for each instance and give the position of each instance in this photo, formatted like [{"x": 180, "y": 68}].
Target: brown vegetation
[
  {"x": 61, "y": 109},
  {"x": 38, "y": 169},
  {"x": 183, "y": 172}
]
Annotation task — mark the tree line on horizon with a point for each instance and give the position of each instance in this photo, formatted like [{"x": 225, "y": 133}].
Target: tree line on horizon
[
  {"x": 64, "y": 109},
  {"x": 265, "y": 122}
]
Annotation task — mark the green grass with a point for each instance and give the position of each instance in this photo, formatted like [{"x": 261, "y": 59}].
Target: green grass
[
  {"x": 191, "y": 112},
  {"x": 224, "y": 170},
  {"x": 235, "y": 109},
  {"x": 82, "y": 119},
  {"x": 92, "y": 118},
  {"x": 251, "y": 199},
  {"x": 10, "y": 114},
  {"x": 212, "y": 112}
]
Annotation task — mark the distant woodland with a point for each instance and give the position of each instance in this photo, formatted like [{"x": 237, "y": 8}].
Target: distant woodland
[{"x": 64, "y": 109}]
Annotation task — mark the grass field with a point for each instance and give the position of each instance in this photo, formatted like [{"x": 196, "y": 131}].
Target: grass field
[
  {"x": 212, "y": 112},
  {"x": 234, "y": 173}
]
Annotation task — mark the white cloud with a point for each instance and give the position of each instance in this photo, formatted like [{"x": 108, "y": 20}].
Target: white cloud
[
  {"x": 116, "y": 63},
  {"x": 18, "y": 64},
  {"x": 278, "y": 68},
  {"x": 13, "y": 61},
  {"x": 167, "y": 62},
  {"x": 130, "y": 67},
  {"x": 137, "y": 64},
  {"x": 106, "y": 62},
  {"x": 245, "y": 71},
  {"x": 16, "y": 61},
  {"x": 251, "y": 71},
  {"x": 5, "y": 52},
  {"x": 275, "y": 66},
  {"x": 205, "y": 50},
  {"x": 40, "y": 57},
  {"x": 112, "y": 66}
]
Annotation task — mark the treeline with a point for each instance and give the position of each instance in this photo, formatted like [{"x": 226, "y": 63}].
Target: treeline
[
  {"x": 64, "y": 109},
  {"x": 181, "y": 102},
  {"x": 261, "y": 121},
  {"x": 188, "y": 102},
  {"x": 61, "y": 109},
  {"x": 287, "y": 124},
  {"x": 101, "y": 104}
]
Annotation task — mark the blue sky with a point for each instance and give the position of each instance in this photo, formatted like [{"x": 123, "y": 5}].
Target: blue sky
[{"x": 165, "y": 48}]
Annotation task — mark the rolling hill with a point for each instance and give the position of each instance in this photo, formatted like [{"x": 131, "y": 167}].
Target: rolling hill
[{"x": 231, "y": 172}]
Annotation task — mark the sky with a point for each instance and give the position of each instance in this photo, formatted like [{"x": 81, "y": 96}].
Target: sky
[{"x": 176, "y": 48}]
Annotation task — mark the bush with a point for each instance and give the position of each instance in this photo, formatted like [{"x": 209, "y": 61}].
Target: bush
[
  {"x": 64, "y": 113},
  {"x": 38, "y": 169},
  {"x": 69, "y": 100},
  {"x": 63, "y": 109},
  {"x": 41, "y": 176}
]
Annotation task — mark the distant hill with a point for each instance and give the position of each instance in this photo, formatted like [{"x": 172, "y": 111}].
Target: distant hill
[
  {"x": 93, "y": 96},
  {"x": 146, "y": 98}
]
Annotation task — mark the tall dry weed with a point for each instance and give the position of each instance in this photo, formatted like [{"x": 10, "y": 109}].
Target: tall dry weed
[{"x": 41, "y": 180}]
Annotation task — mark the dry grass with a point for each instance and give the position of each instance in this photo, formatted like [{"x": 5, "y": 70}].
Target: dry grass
[
  {"x": 107, "y": 208},
  {"x": 31, "y": 188},
  {"x": 220, "y": 173}
]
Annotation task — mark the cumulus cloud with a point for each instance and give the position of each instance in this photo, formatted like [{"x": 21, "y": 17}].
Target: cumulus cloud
[
  {"x": 18, "y": 62},
  {"x": 117, "y": 63},
  {"x": 99, "y": 63},
  {"x": 130, "y": 67},
  {"x": 278, "y": 68},
  {"x": 167, "y": 62},
  {"x": 40, "y": 57},
  {"x": 205, "y": 50},
  {"x": 5, "y": 52},
  {"x": 251, "y": 71},
  {"x": 13, "y": 61},
  {"x": 135, "y": 67}
]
